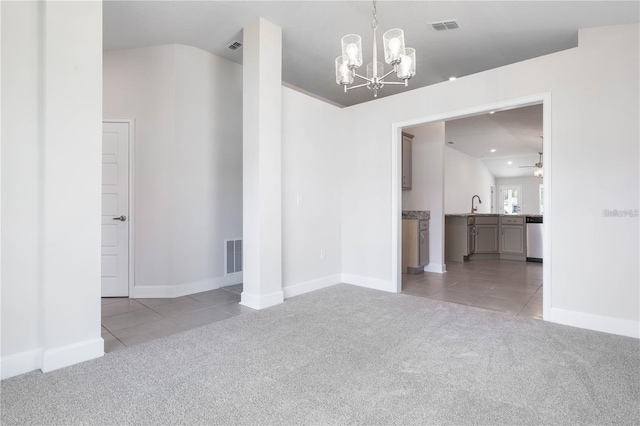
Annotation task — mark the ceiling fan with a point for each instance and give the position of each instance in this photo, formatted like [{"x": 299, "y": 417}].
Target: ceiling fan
[
  {"x": 538, "y": 165},
  {"x": 538, "y": 172}
]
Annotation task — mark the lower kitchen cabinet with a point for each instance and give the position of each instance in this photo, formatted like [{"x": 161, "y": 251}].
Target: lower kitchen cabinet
[
  {"x": 486, "y": 235},
  {"x": 489, "y": 236},
  {"x": 512, "y": 236},
  {"x": 486, "y": 239},
  {"x": 415, "y": 245}
]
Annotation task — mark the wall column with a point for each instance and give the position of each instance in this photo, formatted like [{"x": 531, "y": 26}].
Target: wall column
[
  {"x": 71, "y": 178},
  {"x": 261, "y": 165}
]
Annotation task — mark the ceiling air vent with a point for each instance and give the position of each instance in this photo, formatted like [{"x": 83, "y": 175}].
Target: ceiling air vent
[
  {"x": 234, "y": 45},
  {"x": 444, "y": 25}
]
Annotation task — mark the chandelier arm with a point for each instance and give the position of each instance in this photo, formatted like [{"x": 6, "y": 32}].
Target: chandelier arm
[
  {"x": 355, "y": 87},
  {"x": 387, "y": 74},
  {"x": 394, "y": 82},
  {"x": 362, "y": 77}
]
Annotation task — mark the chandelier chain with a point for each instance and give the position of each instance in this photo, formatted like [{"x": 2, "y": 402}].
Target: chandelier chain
[{"x": 374, "y": 23}]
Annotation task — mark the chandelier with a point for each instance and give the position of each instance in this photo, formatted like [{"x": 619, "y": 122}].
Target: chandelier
[{"x": 403, "y": 60}]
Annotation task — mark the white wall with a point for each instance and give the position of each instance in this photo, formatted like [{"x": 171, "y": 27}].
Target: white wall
[
  {"x": 464, "y": 177},
  {"x": 51, "y": 141},
  {"x": 594, "y": 104},
  {"x": 529, "y": 204},
  {"x": 21, "y": 176},
  {"x": 427, "y": 192},
  {"x": 188, "y": 162},
  {"x": 312, "y": 168}
]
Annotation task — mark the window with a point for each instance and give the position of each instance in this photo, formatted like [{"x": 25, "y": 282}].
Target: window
[{"x": 510, "y": 196}]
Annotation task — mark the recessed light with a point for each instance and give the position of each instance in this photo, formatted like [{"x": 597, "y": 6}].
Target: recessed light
[
  {"x": 493, "y": 150},
  {"x": 509, "y": 162},
  {"x": 453, "y": 78},
  {"x": 492, "y": 112}
]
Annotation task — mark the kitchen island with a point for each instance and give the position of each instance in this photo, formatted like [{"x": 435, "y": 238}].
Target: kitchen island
[{"x": 485, "y": 236}]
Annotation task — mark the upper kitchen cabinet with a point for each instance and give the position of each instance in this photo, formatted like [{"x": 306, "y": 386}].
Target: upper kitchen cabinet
[{"x": 407, "y": 169}]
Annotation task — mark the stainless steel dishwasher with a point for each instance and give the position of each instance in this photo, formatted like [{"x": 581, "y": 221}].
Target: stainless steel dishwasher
[{"x": 535, "y": 229}]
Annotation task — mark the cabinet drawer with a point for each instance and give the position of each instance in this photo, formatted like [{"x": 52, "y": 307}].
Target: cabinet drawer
[
  {"x": 487, "y": 220},
  {"x": 424, "y": 225},
  {"x": 513, "y": 220}
]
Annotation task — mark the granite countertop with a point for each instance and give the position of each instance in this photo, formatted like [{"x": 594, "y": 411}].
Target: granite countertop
[{"x": 416, "y": 214}]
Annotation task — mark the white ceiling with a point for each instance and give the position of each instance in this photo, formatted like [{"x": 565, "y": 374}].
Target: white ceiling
[
  {"x": 515, "y": 135},
  {"x": 491, "y": 33}
]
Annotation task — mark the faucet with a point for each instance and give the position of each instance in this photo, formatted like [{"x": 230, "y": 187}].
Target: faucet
[{"x": 475, "y": 209}]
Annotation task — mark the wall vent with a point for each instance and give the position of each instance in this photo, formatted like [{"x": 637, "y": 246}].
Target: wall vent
[
  {"x": 234, "y": 45},
  {"x": 444, "y": 25},
  {"x": 233, "y": 256}
]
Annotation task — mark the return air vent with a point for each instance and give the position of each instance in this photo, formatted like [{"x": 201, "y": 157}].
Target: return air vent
[
  {"x": 234, "y": 45},
  {"x": 233, "y": 256},
  {"x": 444, "y": 25}
]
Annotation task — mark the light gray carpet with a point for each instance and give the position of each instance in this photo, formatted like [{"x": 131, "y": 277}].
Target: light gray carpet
[{"x": 347, "y": 355}]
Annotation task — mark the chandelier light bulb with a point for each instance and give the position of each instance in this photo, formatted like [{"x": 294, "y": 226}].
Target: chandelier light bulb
[
  {"x": 394, "y": 46},
  {"x": 352, "y": 52},
  {"x": 405, "y": 66},
  {"x": 344, "y": 76}
]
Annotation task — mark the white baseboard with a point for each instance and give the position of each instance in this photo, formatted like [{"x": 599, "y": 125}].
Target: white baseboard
[
  {"x": 64, "y": 356},
  {"x": 308, "y": 286},
  {"x": 373, "y": 283},
  {"x": 436, "y": 267},
  {"x": 258, "y": 301},
  {"x": 610, "y": 325},
  {"x": 20, "y": 363},
  {"x": 178, "y": 290}
]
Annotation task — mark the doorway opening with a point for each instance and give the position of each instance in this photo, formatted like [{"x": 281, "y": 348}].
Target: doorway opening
[
  {"x": 492, "y": 261},
  {"x": 510, "y": 199}
]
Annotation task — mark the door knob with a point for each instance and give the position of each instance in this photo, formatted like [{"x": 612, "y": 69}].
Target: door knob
[{"x": 121, "y": 218}]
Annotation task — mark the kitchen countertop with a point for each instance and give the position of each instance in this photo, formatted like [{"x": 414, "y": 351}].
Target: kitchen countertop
[{"x": 416, "y": 214}]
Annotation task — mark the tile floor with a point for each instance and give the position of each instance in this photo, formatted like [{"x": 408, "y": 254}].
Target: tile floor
[
  {"x": 500, "y": 285},
  {"x": 127, "y": 322}
]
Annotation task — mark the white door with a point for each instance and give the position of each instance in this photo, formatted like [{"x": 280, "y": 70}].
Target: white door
[{"x": 115, "y": 210}]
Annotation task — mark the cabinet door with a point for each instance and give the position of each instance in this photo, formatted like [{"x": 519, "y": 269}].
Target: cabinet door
[
  {"x": 513, "y": 239},
  {"x": 424, "y": 248},
  {"x": 486, "y": 239},
  {"x": 407, "y": 171}
]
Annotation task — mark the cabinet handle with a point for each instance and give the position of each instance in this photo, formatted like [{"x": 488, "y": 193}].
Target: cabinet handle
[{"x": 422, "y": 237}]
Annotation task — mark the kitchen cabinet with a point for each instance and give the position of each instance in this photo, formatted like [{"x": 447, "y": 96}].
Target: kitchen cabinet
[
  {"x": 471, "y": 238},
  {"x": 486, "y": 235},
  {"x": 512, "y": 236},
  {"x": 407, "y": 161},
  {"x": 415, "y": 245},
  {"x": 424, "y": 242},
  {"x": 458, "y": 242}
]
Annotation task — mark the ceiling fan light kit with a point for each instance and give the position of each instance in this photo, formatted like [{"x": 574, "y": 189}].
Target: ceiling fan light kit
[{"x": 403, "y": 60}]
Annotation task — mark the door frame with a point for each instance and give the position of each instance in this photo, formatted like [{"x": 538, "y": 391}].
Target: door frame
[
  {"x": 130, "y": 216},
  {"x": 396, "y": 181}
]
